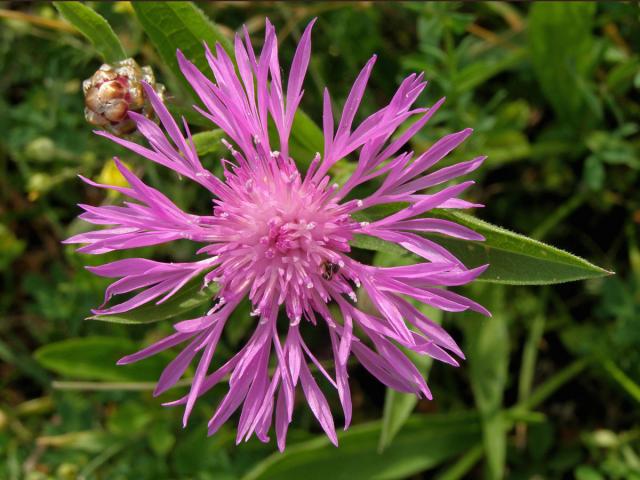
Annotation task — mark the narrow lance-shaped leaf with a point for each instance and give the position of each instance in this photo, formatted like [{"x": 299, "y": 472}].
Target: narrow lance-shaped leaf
[
  {"x": 173, "y": 25},
  {"x": 445, "y": 435},
  {"x": 488, "y": 357},
  {"x": 306, "y": 139},
  {"x": 563, "y": 74},
  {"x": 397, "y": 405},
  {"x": 94, "y": 358},
  {"x": 188, "y": 298},
  {"x": 179, "y": 25},
  {"x": 193, "y": 118},
  {"x": 208, "y": 142},
  {"x": 93, "y": 26},
  {"x": 513, "y": 259},
  {"x": 516, "y": 259}
]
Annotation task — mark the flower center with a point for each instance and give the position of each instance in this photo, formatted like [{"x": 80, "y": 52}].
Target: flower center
[
  {"x": 285, "y": 237},
  {"x": 284, "y": 240}
]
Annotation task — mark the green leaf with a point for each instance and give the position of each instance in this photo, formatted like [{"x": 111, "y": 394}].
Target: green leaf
[
  {"x": 161, "y": 439},
  {"x": 240, "y": 323},
  {"x": 563, "y": 72},
  {"x": 587, "y": 472},
  {"x": 179, "y": 25},
  {"x": 87, "y": 440},
  {"x": 372, "y": 243},
  {"x": 10, "y": 246},
  {"x": 397, "y": 405},
  {"x": 513, "y": 259},
  {"x": 488, "y": 359},
  {"x": 425, "y": 442},
  {"x": 192, "y": 117},
  {"x": 94, "y": 358},
  {"x": 594, "y": 173},
  {"x": 626, "y": 382},
  {"x": 479, "y": 72},
  {"x": 530, "y": 352},
  {"x": 208, "y": 142},
  {"x": 188, "y": 298},
  {"x": 494, "y": 437},
  {"x": 130, "y": 419},
  {"x": 551, "y": 385},
  {"x": 462, "y": 466},
  {"x": 95, "y": 28},
  {"x": 306, "y": 139},
  {"x": 173, "y": 25}
]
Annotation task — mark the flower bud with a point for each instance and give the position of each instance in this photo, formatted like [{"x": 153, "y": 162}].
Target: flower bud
[
  {"x": 117, "y": 111},
  {"x": 114, "y": 91}
]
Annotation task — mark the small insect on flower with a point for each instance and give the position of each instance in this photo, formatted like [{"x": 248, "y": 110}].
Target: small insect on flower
[
  {"x": 114, "y": 91},
  {"x": 329, "y": 269},
  {"x": 281, "y": 239}
]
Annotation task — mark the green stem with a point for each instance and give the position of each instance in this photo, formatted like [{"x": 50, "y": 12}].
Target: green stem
[
  {"x": 144, "y": 386},
  {"x": 549, "y": 387},
  {"x": 519, "y": 412},
  {"x": 100, "y": 459},
  {"x": 108, "y": 386},
  {"x": 623, "y": 379},
  {"x": 463, "y": 465},
  {"x": 562, "y": 212},
  {"x": 529, "y": 356}
]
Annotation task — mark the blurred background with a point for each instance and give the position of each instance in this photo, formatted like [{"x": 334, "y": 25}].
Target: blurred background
[{"x": 551, "y": 386}]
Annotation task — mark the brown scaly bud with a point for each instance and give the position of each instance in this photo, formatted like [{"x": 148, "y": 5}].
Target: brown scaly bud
[{"x": 114, "y": 91}]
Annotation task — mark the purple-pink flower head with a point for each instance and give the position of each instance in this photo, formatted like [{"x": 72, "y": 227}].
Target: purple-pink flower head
[{"x": 281, "y": 238}]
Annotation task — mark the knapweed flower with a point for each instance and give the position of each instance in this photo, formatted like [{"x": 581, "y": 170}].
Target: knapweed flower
[{"x": 281, "y": 237}]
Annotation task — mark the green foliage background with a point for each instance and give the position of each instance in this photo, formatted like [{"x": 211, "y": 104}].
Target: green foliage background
[{"x": 551, "y": 385}]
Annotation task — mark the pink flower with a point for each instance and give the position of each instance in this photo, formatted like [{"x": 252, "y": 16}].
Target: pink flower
[{"x": 281, "y": 237}]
